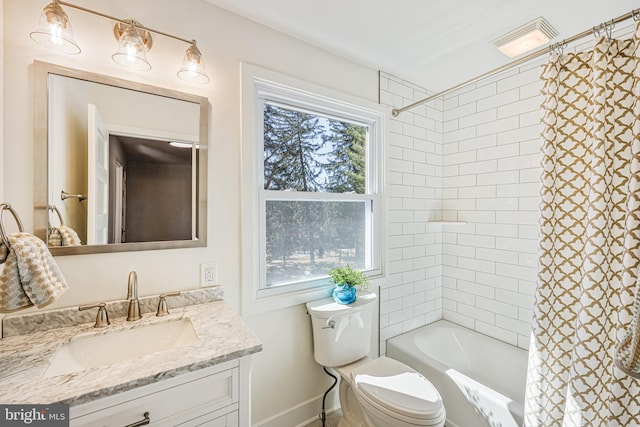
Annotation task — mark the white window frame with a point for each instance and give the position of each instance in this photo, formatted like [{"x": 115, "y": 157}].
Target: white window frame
[{"x": 260, "y": 86}]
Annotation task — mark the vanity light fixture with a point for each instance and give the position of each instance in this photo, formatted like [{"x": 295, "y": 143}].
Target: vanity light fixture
[
  {"x": 54, "y": 30},
  {"x": 132, "y": 47},
  {"x": 134, "y": 41},
  {"x": 193, "y": 66},
  {"x": 526, "y": 37}
]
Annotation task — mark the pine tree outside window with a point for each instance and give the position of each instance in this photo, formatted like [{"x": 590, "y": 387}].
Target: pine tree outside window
[
  {"x": 317, "y": 188},
  {"x": 306, "y": 152}
]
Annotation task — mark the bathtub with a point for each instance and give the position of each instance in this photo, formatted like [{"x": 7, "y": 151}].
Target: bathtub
[{"x": 481, "y": 380}]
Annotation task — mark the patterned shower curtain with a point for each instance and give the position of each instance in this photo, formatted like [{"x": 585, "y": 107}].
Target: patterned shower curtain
[{"x": 589, "y": 239}]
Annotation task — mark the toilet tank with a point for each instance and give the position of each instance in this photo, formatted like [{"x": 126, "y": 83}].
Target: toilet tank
[{"x": 341, "y": 333}]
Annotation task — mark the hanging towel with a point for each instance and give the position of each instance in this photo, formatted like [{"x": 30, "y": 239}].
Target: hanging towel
[
  {"x": 30, "y": 275},
  {"x": 627, "y": 357},
  {"x": 63, "y": 235},
  {"x": 55, "y": 238},
  {"x": 69, "y": 236}
]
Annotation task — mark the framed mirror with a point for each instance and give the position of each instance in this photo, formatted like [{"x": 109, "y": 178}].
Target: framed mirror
[{"x": 118, "y": 165}]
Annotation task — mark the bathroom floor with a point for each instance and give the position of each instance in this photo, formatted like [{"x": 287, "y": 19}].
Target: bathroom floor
[{"x": 332, "y": 420}]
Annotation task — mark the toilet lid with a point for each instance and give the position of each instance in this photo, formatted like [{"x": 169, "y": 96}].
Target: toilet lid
[{"x": 398, "y": 388}]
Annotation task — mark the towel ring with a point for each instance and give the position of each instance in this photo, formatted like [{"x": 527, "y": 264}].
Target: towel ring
[
  {"x": 54, "y": 208},
  {"x": 3, "y": 234}
]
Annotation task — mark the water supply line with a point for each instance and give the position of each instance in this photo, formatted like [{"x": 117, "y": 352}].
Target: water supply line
[
  {"x": 635, "y": 14},
  {"x": 323, "y": 415}
]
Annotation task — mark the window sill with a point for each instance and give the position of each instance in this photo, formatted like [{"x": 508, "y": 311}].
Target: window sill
[{"x": 252, "y": 305}]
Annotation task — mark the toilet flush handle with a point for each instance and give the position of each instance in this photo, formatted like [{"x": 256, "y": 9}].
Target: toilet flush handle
[{"x": 330, "y": 323}]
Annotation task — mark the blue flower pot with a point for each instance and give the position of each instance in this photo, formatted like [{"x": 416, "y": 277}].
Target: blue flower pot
[{"x": 344, "y": 294}]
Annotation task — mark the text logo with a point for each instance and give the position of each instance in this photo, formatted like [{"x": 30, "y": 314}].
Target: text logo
[{"x": 54, "y": 415}]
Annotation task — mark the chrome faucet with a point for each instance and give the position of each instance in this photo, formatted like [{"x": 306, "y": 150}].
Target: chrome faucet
[{"x": 132, "y": 296}]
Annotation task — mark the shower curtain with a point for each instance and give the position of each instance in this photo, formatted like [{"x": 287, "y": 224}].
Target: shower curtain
[{"x": 589, "y": 239}]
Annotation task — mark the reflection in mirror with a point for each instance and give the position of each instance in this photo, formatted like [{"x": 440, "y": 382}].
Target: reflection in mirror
[{"x": 125, "y": 162}]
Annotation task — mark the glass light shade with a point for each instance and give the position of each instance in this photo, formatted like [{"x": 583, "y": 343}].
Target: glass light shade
[
  {"x": 54, "y": 30},
  {"x": 132, "y": 52},
  {"x": 192, "y": 69}
]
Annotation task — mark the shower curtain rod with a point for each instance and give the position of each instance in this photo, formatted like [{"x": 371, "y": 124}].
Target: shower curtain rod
[{"x": 635, "y": 14}]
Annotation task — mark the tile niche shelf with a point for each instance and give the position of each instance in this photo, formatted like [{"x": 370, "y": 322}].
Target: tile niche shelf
[
  {"x": 450, "y": 215},
  {"x": 446, "y": 222}
]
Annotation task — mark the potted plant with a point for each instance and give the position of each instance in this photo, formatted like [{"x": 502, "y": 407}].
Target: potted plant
[{"x": 345, "y": 280}]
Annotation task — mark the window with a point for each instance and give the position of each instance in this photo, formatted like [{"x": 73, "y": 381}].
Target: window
[{"x": 315, "y": 188}]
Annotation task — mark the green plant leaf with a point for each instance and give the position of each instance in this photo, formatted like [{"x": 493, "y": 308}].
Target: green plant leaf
[{"x": 348, "y": 276}]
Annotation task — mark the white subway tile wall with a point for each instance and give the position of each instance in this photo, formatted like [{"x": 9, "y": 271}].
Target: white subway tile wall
[
  {"x": 412, "y": 295},
  {"x": 492, "y": 151},
  {"x": 473, "y": 156}
]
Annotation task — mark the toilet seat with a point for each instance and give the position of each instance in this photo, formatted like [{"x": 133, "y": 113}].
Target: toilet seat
[{"x": 398, "y": 391}]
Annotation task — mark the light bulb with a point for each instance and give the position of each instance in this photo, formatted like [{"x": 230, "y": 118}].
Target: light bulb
[
  {"x": 131, "y": 51},
  {"x": 192, "y": 69},
  {"x": 54, "y": 30}
]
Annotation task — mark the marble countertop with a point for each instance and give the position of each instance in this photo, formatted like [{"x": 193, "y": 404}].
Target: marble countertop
[{"x": 24, "y": 359}]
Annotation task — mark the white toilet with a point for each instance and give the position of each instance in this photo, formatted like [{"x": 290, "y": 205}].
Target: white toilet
[{"x": 373, "y": 392}]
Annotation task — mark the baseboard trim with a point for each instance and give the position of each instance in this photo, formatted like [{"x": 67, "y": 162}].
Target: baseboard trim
[{"x": 302, "y": 414}]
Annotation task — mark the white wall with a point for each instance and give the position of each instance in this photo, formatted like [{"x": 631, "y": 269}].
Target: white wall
[{"x": 285, "y": 374}]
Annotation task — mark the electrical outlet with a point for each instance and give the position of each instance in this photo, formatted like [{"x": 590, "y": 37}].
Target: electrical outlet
[{"x": 207, "y": 274}]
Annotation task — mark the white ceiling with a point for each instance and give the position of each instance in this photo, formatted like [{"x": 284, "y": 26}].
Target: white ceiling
[{"x": 434, "y": 43}]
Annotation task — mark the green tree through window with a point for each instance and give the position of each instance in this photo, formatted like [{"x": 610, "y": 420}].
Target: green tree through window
[
  {"x": 348, "y": 158},
  {"x": 305, "y": 152}
]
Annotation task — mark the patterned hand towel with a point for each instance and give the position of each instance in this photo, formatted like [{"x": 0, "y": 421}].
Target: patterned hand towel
[
  {"x": 63, "y": 235},
  {"x": 55, "y": 238},
  {"x": 627, "y": 356},
  {"x": 69, "y": 236},
  {"x": 30, "y": 275}
]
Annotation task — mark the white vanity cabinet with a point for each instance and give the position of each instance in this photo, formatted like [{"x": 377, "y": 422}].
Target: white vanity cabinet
[{"x": 216, "y": 396}]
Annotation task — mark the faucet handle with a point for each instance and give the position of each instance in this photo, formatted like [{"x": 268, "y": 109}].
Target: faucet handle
[
  {"x": 163, "y": 309},
  {"x": 102, "y": 318}
]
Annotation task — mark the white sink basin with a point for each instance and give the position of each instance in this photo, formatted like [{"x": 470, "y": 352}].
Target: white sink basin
[{"x": 92, "y": 351}]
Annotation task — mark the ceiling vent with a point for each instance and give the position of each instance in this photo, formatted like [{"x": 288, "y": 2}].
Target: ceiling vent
[{"x": 526, "y": 37}]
